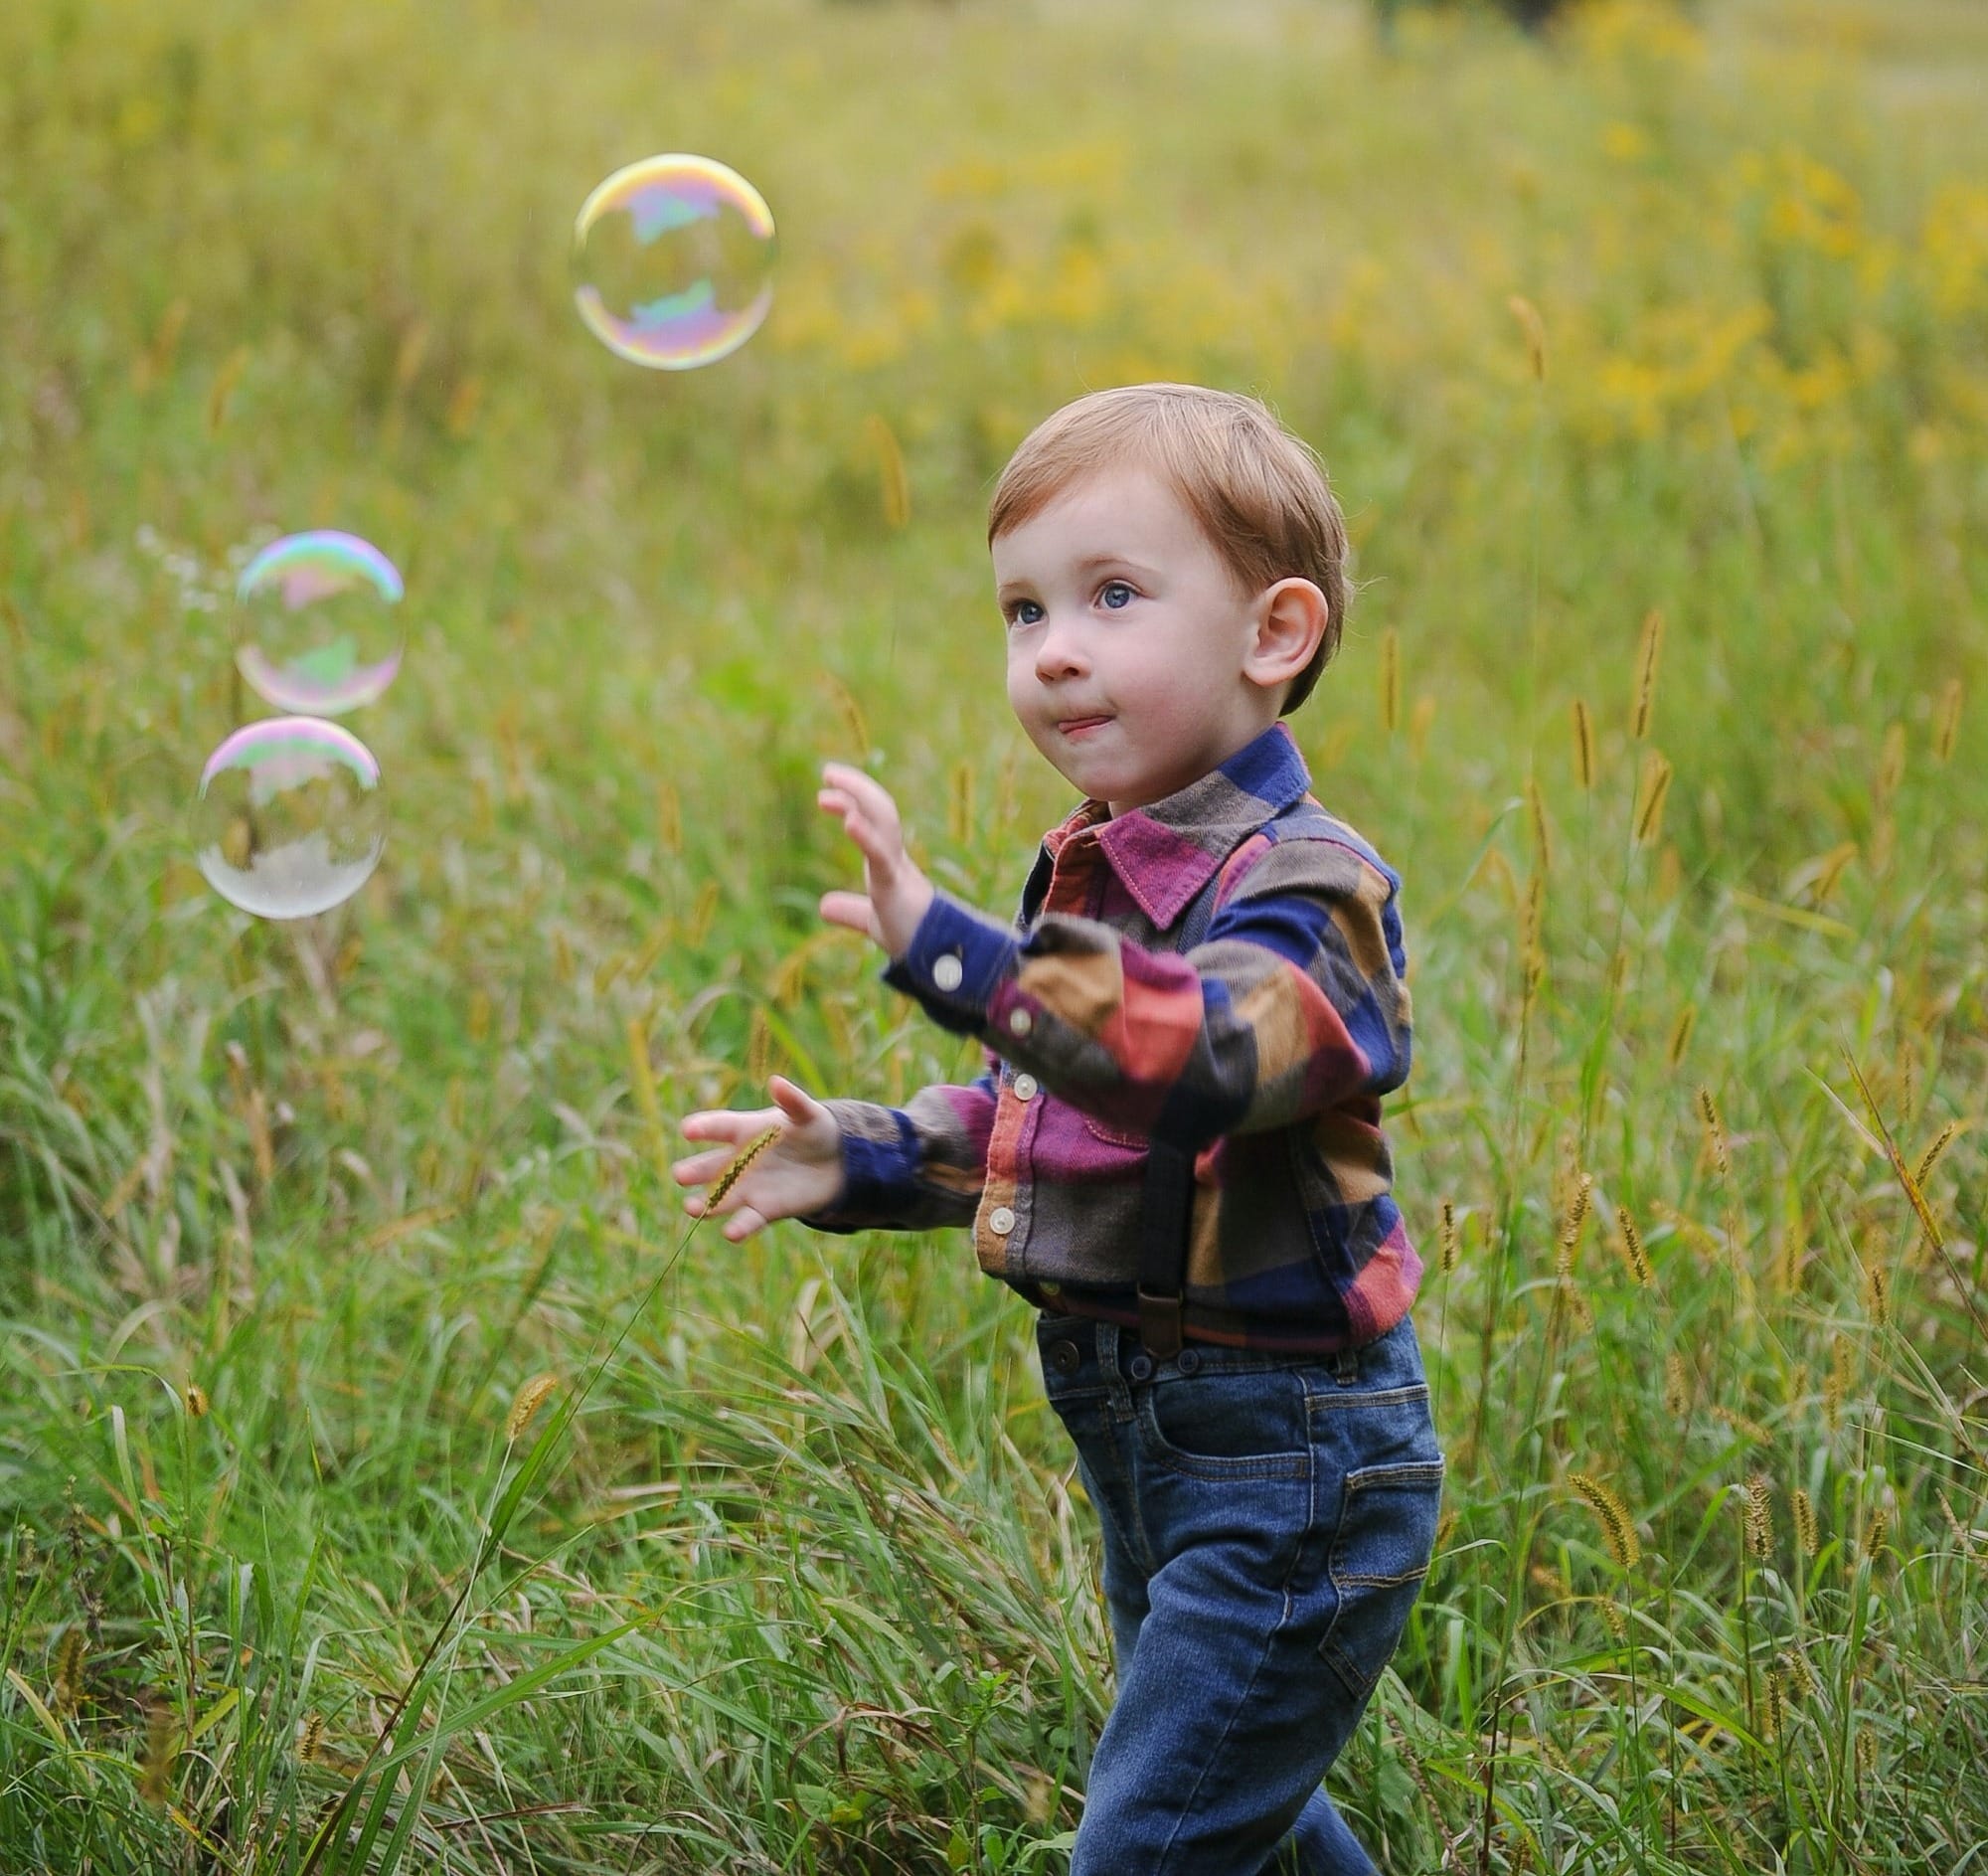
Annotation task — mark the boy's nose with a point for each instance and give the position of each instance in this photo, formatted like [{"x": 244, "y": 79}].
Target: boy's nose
[{"x": 1058, "y": 653}]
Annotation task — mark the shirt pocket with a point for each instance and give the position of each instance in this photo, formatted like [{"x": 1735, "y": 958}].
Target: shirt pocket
[
  {"x": 1125, "y": 1141},
  {"x": 1380, "y": 1556}
]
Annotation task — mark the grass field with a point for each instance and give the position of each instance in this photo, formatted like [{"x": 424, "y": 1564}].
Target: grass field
[{"x": 1651, "y": 365}]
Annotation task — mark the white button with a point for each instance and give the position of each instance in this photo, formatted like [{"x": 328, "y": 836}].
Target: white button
[
  {"x": 948, "y": 973},
  {"x": 1025, "y": 1088},
  {"x": 1020, "y": 1022},
  {"x": 1000, "y": 1221}
]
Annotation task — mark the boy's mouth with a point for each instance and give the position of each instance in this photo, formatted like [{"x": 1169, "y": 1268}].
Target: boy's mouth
[{"x": 1080, "y": 726}]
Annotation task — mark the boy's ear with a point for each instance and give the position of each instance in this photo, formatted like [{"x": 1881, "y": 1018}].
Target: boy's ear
[{"x": 1290, "y": 623}]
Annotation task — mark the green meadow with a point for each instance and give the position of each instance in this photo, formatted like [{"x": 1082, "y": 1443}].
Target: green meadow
[{"x": 1650, "y": 363}]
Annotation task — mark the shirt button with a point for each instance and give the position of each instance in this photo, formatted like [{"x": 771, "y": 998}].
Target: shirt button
[
  {"x": 1188, "y": 1360},
  {"x": 1020, "y": 1022},
  {"x": 948, "y": 973},
  {"x": 1141, "y": 1366},
  {"x": 1001, "y": 1221},
  {"x": 1063, "y": 1357},
  {"x": 1025, "y": 1087}
]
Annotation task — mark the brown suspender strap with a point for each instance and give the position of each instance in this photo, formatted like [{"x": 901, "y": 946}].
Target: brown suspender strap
[{"x": 1163, "y": 1240}]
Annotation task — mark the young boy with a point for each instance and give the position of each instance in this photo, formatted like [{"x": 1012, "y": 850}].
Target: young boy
[{"x": 1175, "y": 1151}]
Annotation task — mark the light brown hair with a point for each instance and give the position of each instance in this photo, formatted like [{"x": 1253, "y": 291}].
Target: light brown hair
[{"x": 1258, "y": 493}]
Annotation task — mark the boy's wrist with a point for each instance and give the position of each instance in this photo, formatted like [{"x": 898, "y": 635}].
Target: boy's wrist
[{"x": 905, "y": 916}]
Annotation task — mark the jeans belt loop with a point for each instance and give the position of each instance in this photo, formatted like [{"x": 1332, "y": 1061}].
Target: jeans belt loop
[{"x": 1109, "y": 1337}]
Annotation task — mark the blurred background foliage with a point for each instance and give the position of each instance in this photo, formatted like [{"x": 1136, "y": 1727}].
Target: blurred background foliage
[{"x": 1649, "y": 356}]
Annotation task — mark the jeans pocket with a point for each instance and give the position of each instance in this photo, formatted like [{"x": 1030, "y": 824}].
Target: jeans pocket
[
  {"x": 1380, "y": 1555},
  {"x": 1227, "y": 1425}
]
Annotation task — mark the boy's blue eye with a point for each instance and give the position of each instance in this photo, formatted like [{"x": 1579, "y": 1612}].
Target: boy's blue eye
[
  {"x": 1116, "y": 586},
  {"x": 1020, "y": 606}
]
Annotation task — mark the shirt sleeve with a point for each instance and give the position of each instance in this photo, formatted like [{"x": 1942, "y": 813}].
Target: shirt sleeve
[
  {"x": 915, "y": 1167},
  {"x": 1295, "y": 1001}
]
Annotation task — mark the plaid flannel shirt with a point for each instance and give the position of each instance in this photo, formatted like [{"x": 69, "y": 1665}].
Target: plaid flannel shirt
[{"x": 1264, "y": 1050}]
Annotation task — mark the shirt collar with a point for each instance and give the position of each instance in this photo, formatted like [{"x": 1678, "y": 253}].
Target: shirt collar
[{"x": 1167, "y": 851}]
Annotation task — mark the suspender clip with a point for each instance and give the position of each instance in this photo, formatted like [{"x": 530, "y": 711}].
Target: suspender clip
[{"x": 1159, "y": 1323}]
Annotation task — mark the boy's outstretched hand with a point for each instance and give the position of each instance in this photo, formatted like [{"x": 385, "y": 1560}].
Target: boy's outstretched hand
[
  {"x": 799, "y": 1172},
  {"x": 896, "y": 892}
]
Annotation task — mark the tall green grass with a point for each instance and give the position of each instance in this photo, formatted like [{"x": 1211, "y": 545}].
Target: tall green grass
[{"x": 802, "y": 1580}]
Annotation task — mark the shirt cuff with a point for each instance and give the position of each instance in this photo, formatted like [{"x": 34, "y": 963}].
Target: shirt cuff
[
  {"x": 955, "y": 964},
  {"x": 876, "y": 1175}
]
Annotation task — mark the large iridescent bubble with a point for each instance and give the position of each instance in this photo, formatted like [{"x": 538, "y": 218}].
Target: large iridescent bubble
[
  {"x": 673, "y": 261},
  {"x": 290, "y": 819},
  {"x": 319, "y": 627}
]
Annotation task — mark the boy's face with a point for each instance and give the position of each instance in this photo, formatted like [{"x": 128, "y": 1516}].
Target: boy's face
[{"x": 1128, "y": 638}]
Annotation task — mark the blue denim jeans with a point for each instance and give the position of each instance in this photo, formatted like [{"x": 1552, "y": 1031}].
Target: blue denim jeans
[{"x": 1267, "y": 1521}]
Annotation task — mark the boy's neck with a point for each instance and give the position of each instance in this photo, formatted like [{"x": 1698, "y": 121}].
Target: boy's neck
[{"x": 1113, "y": 809}]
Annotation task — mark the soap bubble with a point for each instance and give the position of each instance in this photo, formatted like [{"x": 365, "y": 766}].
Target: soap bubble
[
  {"x": 320, "y": 626},
  {"x": 290, "y": 819},
  {"x": 673, "y": 261}
]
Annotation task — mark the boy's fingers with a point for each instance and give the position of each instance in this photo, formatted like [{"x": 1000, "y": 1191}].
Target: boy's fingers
[
  {"x": 853, "y": 910},
  {"x": 701, "y": 1169},
  {"x": 743, "y": 1224},
  {"x": 870, "y": 797},
  {"x": 859, "y": 782},
  {"x": 727, "y": 1123},
  {"x": 793, "y": 1100},
  {"x": 855, "y": 824}
]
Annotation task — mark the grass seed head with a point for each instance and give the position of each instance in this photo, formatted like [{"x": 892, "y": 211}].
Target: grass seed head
[
  {"x": 959, "y": 804},
  {"x": 1805, "y": 1532},
  {"x": 1584, "y": 743},
  {"x": 1634, "y": 1256},
  {"x": 1452, "y": 1235},
  {"x": 1833, "y": 863},
  {"x": 311, "y": 1739},
  {"x": 1576, "y": 1218},
  {"x": 854, "y": 723},
  {"x": 1842, "y": 1371},
  {"x": 1797, "y": 1677},
  {"x": 1536, "y": 805},
  {"x": 1617, "y": 1527},
  {"x": 1687, "y": 1021},
  {"x": 1421, "y": 719},
  {"x": 1946, "y": 721},
  {"x": 1649, "y": 654},
  {"x": 71, "y": 1653},
  {"x": 1876, "y": 1294},
  {"x": 530, "y": 1398},
  {"x": 1677, "y": 1386},
  {"x": 1390, "y": 680},
  {"x": 155, "y": 1764},
  {"x": 894, "y": 485},
  {"x": 1941, "y": 1141},
  {"x": 1891, "y": 763},
  {"x": 1760, "y": 1515},
  {"x": 1656, "y": 787},
  {"x": 736, "y": 1170},
  {"x": 1715, "y": 1131},
  {"x": 1874, "y": 1533}
]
